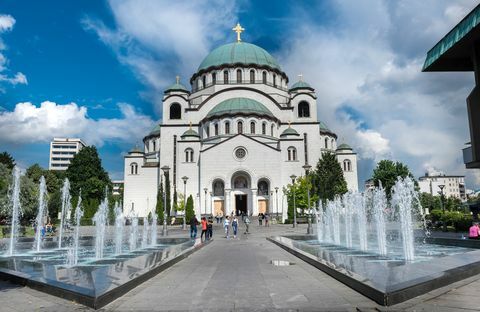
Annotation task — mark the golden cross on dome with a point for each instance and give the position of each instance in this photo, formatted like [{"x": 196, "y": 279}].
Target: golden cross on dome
[
  {"x": 178, "y": 79},
  {"x": 238, "y": 29},
  {"x": 190, "y": 125}
]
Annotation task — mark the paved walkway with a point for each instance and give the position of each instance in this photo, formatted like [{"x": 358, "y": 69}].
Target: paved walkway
[{"x": 237, "y": 274}]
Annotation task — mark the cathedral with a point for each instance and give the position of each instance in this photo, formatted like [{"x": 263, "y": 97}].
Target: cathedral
[{"x": 234, "y": 139}]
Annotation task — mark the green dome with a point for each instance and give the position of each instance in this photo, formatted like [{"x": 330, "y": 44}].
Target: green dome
[
  {"x": 240, "y": 106},
  {"x": 155, "y": 130},
  {"x": 300, "y": 85},
  {"x": 136, "y": 149},
  {"x": 324, "y": 127},
  {"x": 176, "y": 87},
  {"x": 190, "y": 133},
  {"x": 344, "y": 146},
  {"x": 238, "y": 53},
  {"x": 289, "y": 131}
]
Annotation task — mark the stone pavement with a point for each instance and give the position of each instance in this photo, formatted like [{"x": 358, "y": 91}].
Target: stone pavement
[{"x": 237, "y": 275}]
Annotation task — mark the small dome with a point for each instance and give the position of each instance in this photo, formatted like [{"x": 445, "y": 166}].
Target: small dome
[
  {"x": 300, "y": 85},
  {"x": 238, "y": 53},
  {"x": 344, "y": 146},
  {"x": 177, "y": 87},
  {"x": 240, "y": 106},
  {"x": 136, "y": 149},
  {"x": 190, "y": 133},
  {"x": 289, "y": 131},
  {"x": 155, "y": 130},
  {"x": 324, "y": 127}
]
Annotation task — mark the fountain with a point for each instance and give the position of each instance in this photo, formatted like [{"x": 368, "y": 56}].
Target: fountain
[
  {"x": 65, "y": 214},
  {"x": 133, "y": 231},
  {"x": 145, "y": 233},
  {"x": 119, "y": 225},
  {"x": 76, "y": 233},
  {"x": 15, "y": 204},
  {"x": 100, "y": 221},
  {"x": 153, "y": 240},
  {"x": 41, "y": 214},
  {"x": 369, "y": 243}
]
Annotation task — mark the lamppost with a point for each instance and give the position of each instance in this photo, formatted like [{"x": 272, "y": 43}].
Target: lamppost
[
  {"x": 276, "y": 201},
  {"x": 307, "y": 170},
  {"x": 165, "y": 169},
  {"x": 441, "y": 186},
  {"x": 293, "y": 177},
  {"x": 205, "y": 190},
  {"x": 185, "y": 178}
]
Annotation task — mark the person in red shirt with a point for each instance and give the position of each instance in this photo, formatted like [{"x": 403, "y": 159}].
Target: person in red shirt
[
  {"x": 204, "y": 228},
  {"x": 474, "y": 231}
]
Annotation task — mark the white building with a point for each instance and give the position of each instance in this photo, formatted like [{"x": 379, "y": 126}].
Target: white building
[
  {"x": 454, "y": 186},
  {"x": 238, "y": 135},
  {"x": 117, "y": 187},
  {"x": 62, "y": 151}
]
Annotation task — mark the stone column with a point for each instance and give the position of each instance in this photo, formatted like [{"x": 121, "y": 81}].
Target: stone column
[
  {"x": 254, "y": 202},
  {"x": 228, "y": 207}
]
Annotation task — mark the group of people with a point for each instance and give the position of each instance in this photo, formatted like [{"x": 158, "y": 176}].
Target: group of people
[
  {"x": 207, "y": 228},
  {"x": 263, "y": 218},
  {"x": 232, "y": 222}
]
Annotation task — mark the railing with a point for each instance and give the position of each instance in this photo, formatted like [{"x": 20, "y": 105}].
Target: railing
[{"x": 243, "y": 82}]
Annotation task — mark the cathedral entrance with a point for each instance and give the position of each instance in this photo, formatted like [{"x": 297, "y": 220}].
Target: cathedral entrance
[{"x": 241, "y": 204}]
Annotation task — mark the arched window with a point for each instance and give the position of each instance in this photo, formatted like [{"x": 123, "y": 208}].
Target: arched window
[
  {"x": 204, "y": 81},
  {"x": 271, "y": 130},
  {"x": 214, "y": 78},
  {"x": 216, "y": 129},
  {"x": 227, "y": 127},
  {"x": 264, "y": 128},
  {"x": 264, "y": 77},
  {"x": 133, "y": 168},
  {"x": 225, "y": 76},
  {"x": 189, "y": 155},
  {"x": 292, "y": 153},
  {"x": 175, "y": 111},
  {"x": 326, "y": 142},
  {"x": 347, "y": 165},
  {"x": 275, "y": 80},
  {"x": 332, "y": 143},
  {"x": 252, "y": 127},
  {"x": 239, "y": 76},
  {"x": 252, "y": 76},
  {"x": 207, "y": 130},
  {"x": 262, "y": 188},
  {"x": 218, "y": 188},
  {"x": 303, "y": 109},
  {"x": 154, "y": 144},
  {"x": 240, "y": 127}
]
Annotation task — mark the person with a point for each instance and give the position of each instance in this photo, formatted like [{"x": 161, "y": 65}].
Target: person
[
  {"x": 235, "y": 227},
  {"x": 260, "y": 218},
  {"x": 220, "y": 216},
  {"x": 193, "y": 227},
  {"x": 226, "y": 226},
  {"x": 204, "y": 228},
  {"x": 266, "y": 217},
  {"x": 247, "y": 223},
  {"x": 172, "y": 222},
  {"x": 474, "y": 231},
  {"x": 210, "y": 227}
]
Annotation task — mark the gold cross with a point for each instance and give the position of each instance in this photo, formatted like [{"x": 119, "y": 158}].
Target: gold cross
[
  {"x": 177, "y": 78},
  {"x": 238, "y": 29},
  {"x": 300, "y": 77}
]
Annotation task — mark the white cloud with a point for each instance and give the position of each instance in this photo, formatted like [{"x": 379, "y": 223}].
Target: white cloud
[
  {"x": 6, "y": 24},
  {"x": 28, "y": 123},
  {"x": 366, "y": 68}
]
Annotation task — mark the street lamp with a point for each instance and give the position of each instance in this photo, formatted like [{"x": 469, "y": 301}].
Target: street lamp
[
  {"x": 276, "y": 195},
  {"x": 309, "y": 228},
  {"x": 205, "y": 190},
  {"x": 441, "y": 186},
  {"x": 165, "y": 169},
  {"x": 293, "y": 177},
  {"x": 184, "y": 202}
]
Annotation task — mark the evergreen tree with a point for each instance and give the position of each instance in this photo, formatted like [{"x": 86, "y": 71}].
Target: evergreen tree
[
  {"x": 7, "y": 159},
  {"x": 167, "y": 192},
  {"x": 35, "y": 172},
  {"x": 387, "y": 172},
  {"x": 159, "y": 207},
  {"x": 327, "y": 179},
  {"x": 190, "y": 212}
]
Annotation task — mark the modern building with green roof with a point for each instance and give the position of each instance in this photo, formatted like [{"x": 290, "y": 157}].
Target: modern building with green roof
[{"x": 235, "y": 134}]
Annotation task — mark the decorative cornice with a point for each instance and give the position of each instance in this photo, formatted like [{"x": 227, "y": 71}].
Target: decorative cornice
[{"x": 236, "y": 65}]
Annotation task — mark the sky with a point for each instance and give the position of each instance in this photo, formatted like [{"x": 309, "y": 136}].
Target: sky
[{"x": 97, "y": 70}]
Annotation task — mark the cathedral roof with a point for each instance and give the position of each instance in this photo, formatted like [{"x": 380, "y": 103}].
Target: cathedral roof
[
  {"x": 239, "y": 53},
  {"x": 176, "y": 87},
  {"x": 155, "y": 130},
  {"x": 289, "y": 131},
  {"x": 324, "y": 127},
  {"x": 344, "y": 146},
  {"x": 240, "y": 106},
  {"x": 300, "y": 85},
  {"x": 136, "y": 149},
  {"x": 190, "y": 133}
]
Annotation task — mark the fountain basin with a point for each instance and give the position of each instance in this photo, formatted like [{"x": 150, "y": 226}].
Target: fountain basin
[
  {"x": 389, "y": 280},
  {"x": 93, "y": 283}
]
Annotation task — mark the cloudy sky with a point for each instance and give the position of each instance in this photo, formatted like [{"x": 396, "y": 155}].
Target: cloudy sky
[{"x": 97, "y": 69}]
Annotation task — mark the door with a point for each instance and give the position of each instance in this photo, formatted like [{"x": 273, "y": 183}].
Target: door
[
  {"x": 218, "y": 208},
  {"x": 262, "y": 206},
  {"x": 240, "y": 204}
]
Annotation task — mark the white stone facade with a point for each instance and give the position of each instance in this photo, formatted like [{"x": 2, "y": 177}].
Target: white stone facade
[
  {"x": 62, "y": 151},
  {"x": 231, "y": 167},
  {"x": 454, "y": 186}
]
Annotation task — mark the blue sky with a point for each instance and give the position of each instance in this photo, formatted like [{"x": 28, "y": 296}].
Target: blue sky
[{"x": 96, "y": 70}]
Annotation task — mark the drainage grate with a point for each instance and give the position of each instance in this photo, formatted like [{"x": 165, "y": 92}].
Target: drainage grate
[{"x": 281, "y": 263}]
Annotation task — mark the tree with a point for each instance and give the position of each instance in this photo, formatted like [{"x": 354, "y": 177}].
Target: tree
[
  {"x": 190, "y": 213},
  {"x": 7, "y": 159},
  {"x": 167, "y": 192},
  {"x": 5, "y": 180},
  {"x": 159, "y": 207},
  {"x": 35, "y": 172},
  {"x": 29, "y": 191},
  {"x": 85, "y": 172},
  {"x": 328, "y": 180},
  {"x": 387, "y": 172},
  {"x": 301, "y": 187},
  {"x": 429, "y": 201}
]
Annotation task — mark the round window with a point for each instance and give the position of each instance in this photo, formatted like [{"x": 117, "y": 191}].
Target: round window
[{"x": 240, "y": 153}]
